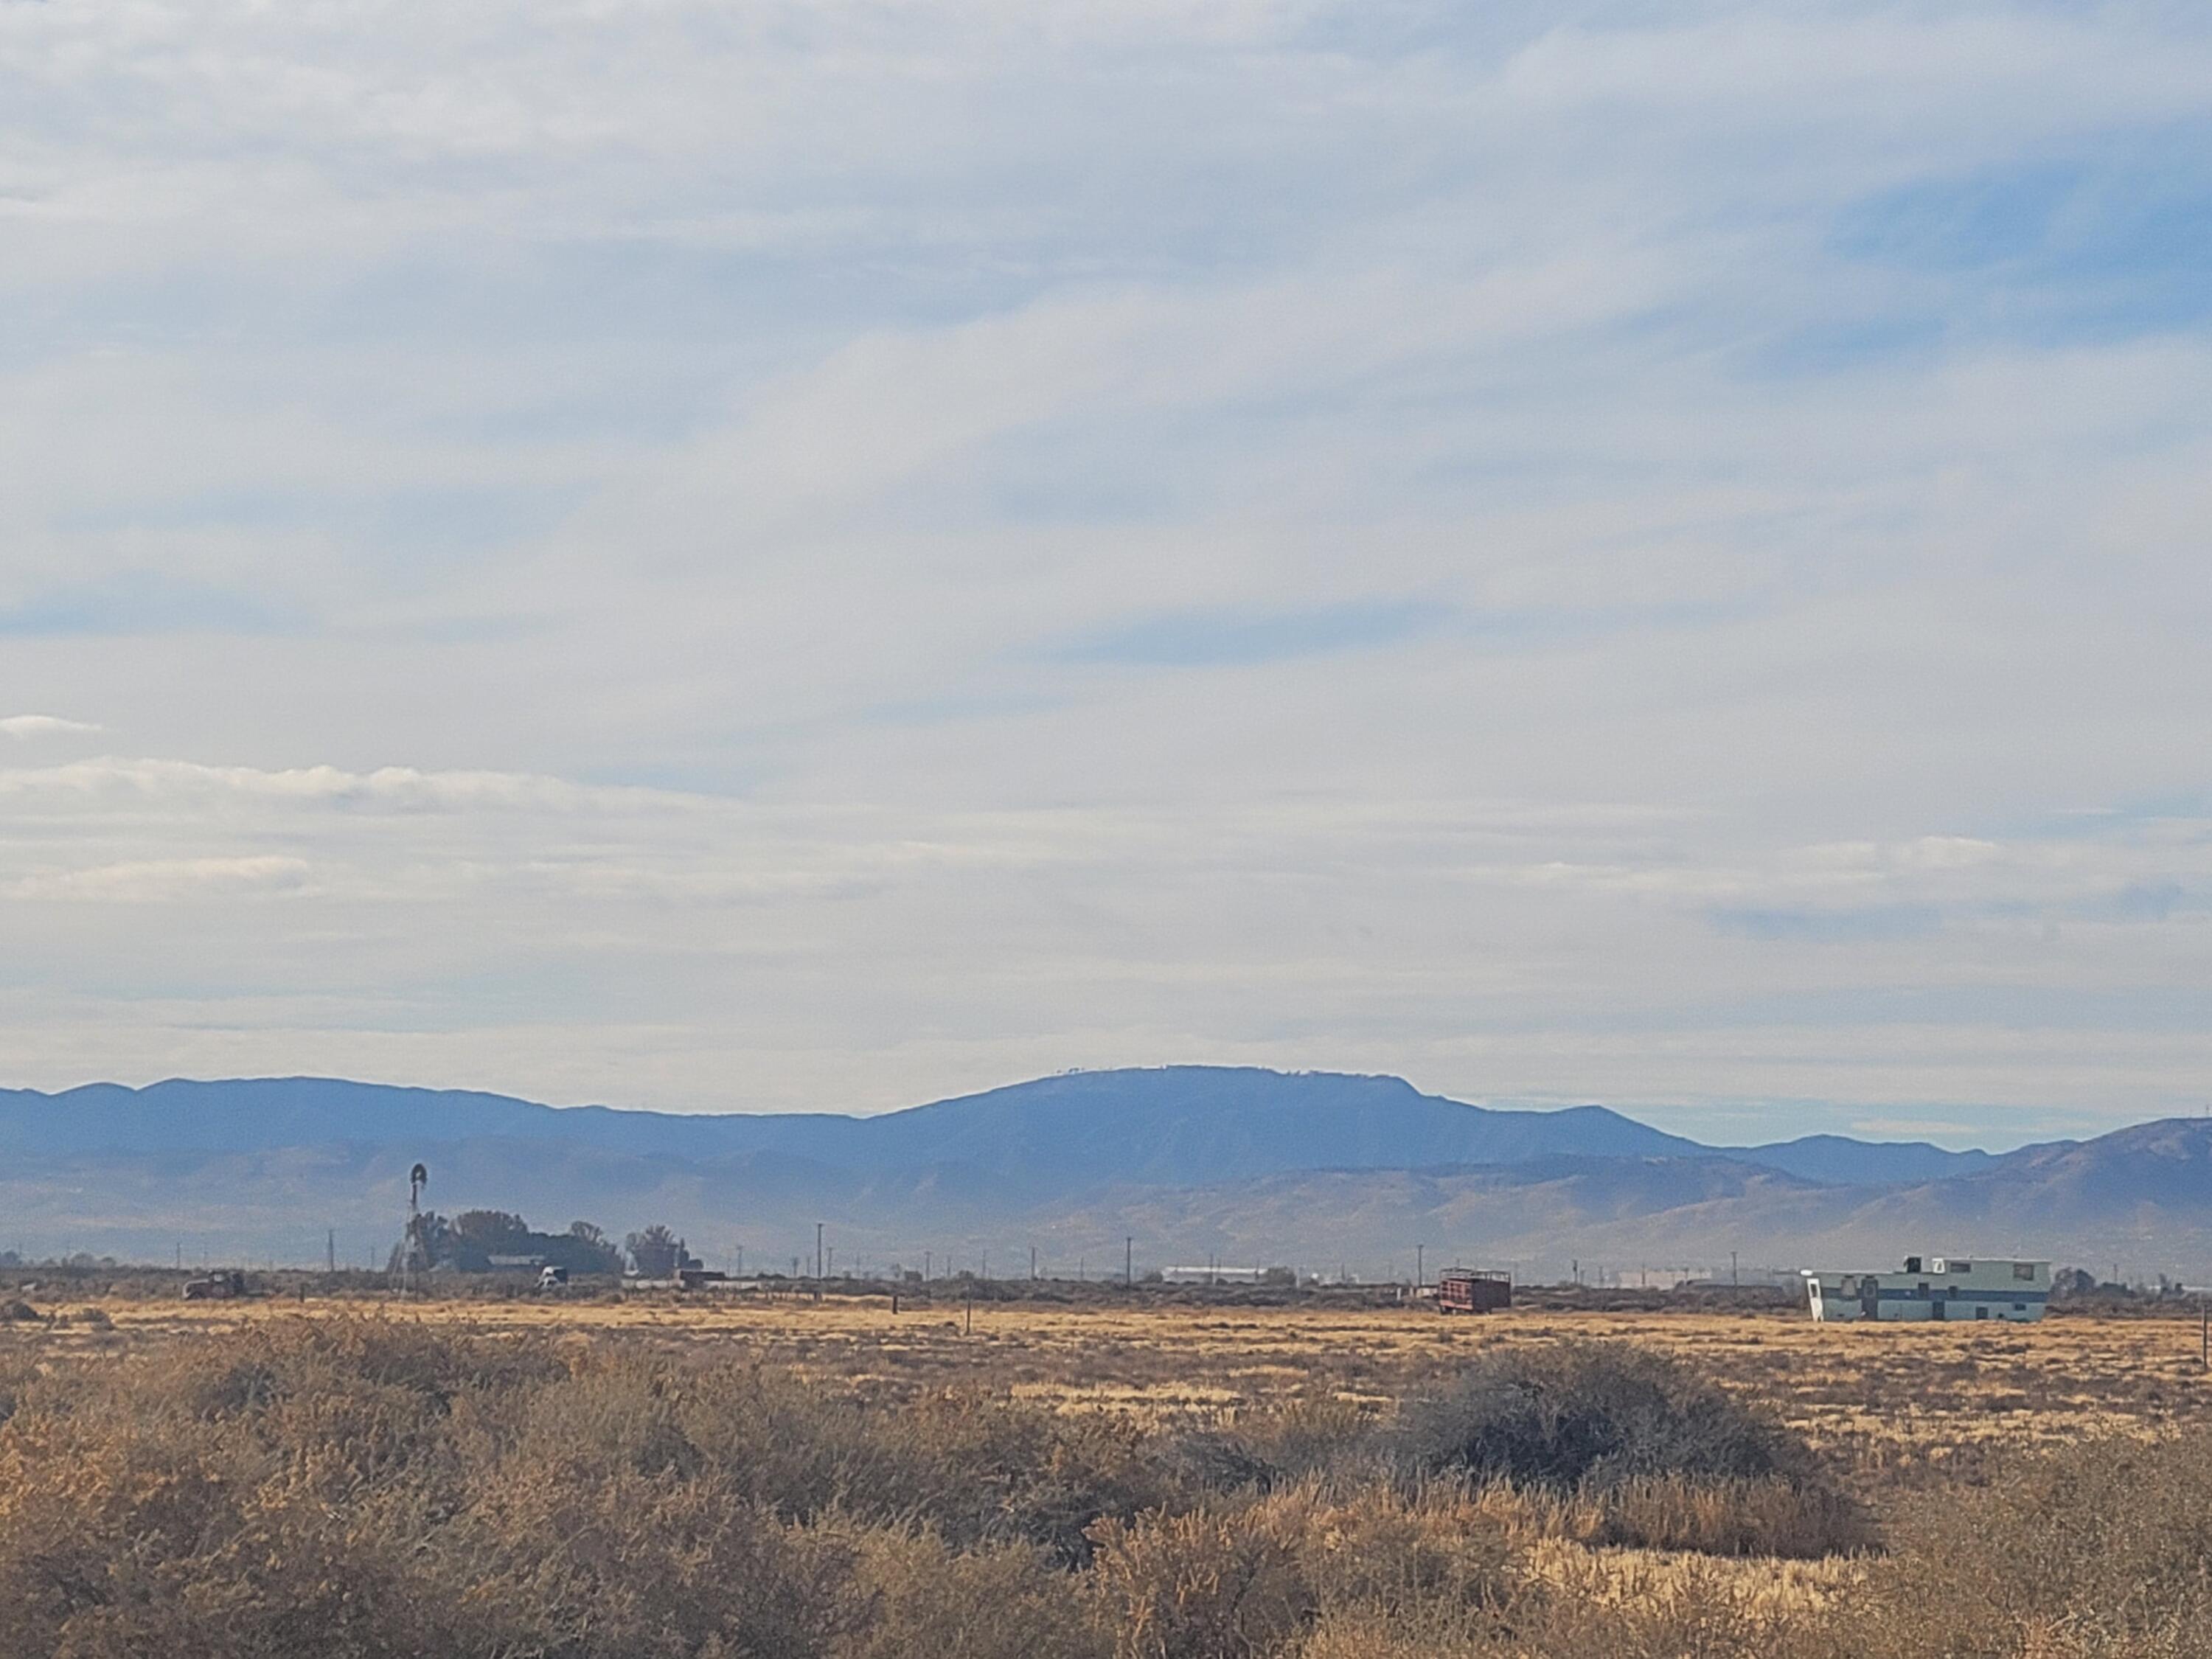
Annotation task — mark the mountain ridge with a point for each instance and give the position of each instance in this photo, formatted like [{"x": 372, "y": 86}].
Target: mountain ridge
[
  {"x": 1195, "y": 1161},
  {"x": 1066, "y": 1120}
]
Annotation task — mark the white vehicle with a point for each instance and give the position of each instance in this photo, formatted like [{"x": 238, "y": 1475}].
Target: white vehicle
[{"x": 1936, "y": 1288}]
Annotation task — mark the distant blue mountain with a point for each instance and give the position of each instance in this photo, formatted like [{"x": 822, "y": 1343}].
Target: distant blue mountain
[
  {"x": 1174, "y": 1125},
  {"x": 1177, "y": 1125},
  {"x": 1838, "y": 1160},
  {"x": 1192, "y": 1160}
]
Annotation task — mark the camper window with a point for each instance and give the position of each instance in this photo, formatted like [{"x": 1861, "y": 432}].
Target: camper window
[{"x": 2023, "y": 1270}]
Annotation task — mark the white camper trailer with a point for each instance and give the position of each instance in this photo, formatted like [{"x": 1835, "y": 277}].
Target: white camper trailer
[{"x": 1935, "y": 1288}]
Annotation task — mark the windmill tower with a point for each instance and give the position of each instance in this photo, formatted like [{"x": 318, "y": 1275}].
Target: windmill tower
[{"x": 413, "y": 1258}]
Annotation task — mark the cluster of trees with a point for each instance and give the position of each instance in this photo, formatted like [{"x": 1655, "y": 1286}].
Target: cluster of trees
[
  {"x": 656, "y": 1253},
  {"x": 478, "y": 1241}
]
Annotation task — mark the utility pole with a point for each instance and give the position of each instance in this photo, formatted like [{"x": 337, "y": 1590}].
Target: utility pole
[
  {"x": 330, "y": 1251},
  {"x": 1733, "y": 1279},
  {"x": 1129, "y": 1262},
  {"x": 928, "y": 1261},
  {"x": 817, "y": 1250},
  {"x": 1033, "y": 1262},
  {"x": 1420, "y": 1277}
]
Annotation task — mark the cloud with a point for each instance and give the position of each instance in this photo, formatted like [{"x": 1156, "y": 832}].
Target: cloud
[
  {"x": 1216, "y": 639},
  {"x": 125, "y": 783},
  {"x": 1836, "y": 925},
  {"x": 138, "y": 606},
  {"x": 830, "y": 555},
  {"x": 45, "y": 726},
  {"x": 159, "y": 880}
]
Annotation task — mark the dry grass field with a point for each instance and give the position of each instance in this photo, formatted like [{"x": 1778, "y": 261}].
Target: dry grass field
[
  {"x": 1964, "y": 1431},
  {"x": 1889, "y": 1403}
]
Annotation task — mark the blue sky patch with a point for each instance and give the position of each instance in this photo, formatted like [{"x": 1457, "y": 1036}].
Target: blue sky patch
[{"x": 1229, "y": 638}]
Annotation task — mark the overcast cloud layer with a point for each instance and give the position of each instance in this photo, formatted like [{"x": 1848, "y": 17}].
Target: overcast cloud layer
[{"x": 723, "y": 556}]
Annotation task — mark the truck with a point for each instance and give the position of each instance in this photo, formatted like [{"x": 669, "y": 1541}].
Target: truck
[{"x": 1466, "y": 1290}]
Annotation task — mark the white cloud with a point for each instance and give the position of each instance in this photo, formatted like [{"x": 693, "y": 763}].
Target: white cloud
[
  {"x": 156, "y": 880},
  {"x": 44, "y": 725},
  {"x": 592, "y": 505}
]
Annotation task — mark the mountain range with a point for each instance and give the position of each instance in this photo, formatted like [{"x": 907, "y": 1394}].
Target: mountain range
[{"x": 1197, "y": 1163}]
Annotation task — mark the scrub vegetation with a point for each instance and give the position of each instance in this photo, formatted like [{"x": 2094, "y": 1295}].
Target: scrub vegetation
[{"x": 360, "y": 1484}]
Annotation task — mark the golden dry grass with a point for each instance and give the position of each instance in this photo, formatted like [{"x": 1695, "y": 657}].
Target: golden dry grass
[
  {"x": 1891, "y": 1404},
  {"x": 1911, "y": 1416}
]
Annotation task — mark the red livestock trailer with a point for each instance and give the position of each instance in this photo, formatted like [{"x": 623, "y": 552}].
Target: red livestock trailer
[{"x": 1464, "y": 1291}]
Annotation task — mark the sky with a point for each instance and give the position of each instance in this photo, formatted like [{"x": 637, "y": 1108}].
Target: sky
[{"x": 817, "y": 556}]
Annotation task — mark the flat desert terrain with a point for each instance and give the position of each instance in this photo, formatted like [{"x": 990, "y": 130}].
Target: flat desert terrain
[{"x": 1891, "y": 1404}]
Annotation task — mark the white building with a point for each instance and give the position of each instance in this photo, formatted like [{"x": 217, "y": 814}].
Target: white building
[{"x": 1939, "y": 1287}]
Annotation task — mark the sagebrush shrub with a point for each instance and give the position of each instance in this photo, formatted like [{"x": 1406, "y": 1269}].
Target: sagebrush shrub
[
  {"x": 2100, "y": 1548},
  {"x": 1206, "y": 1585},
  {"x": 1639, "y": 1447},
  {"x": 1579, "y": 1415}
]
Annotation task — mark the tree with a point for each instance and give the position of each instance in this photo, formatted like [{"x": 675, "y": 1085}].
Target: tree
[
  {"x": 433, "y": 1240},
  {"x": 657, "y": 1253},
  {"x": 467, "y": 1243},
  {"x": 583, "y": 1249}
]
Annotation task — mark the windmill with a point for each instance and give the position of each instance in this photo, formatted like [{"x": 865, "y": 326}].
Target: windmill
[{"x": 412, "y": 1250}]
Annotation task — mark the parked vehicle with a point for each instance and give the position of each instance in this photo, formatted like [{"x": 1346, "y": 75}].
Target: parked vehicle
[
  {"x": 1939, "y": 1288},
  {"x": 1466, "y": 1290}
]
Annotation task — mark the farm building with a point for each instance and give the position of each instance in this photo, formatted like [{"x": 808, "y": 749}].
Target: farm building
[{"x": 1934, "y": 1288}]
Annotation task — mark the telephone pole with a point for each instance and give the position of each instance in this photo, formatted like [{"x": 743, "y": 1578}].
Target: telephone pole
[
  {"x": 1129, "y": 1261},
  {"x": 817, "y": 1250}
]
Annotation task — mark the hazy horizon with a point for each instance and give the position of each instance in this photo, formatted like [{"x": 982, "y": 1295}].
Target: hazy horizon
[{"x": 832, "y": 556}]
